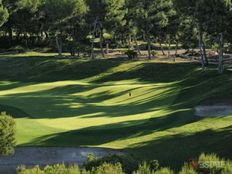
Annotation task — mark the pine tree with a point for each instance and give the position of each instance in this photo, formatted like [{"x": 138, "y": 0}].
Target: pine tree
[
  {"x": 106, "y": 15},
  {"x": 152, "y": 16}
]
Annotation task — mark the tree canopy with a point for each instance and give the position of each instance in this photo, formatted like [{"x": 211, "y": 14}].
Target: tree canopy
[{"x": 89, "y": 23}]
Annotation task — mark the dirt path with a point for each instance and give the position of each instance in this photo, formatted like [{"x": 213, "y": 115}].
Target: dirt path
[{"x": 31, "y": 156}]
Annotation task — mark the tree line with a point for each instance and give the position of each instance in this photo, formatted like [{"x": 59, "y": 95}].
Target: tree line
[{"x": 85, "y": 24}]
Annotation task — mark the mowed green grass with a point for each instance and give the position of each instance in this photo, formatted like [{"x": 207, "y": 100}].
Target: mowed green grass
[{"x": 142, "y": 107}]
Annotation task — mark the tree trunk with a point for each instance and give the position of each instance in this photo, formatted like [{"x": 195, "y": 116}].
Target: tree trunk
[
  {"x": 101, "y": 42},
  {"x": 92, "y": 39},
  {"x": 137, "y": 46},
  {"x": 59, "y": 46},
  {"x": 176, "y": 50},
  {"x": 161, "y": 47},
  {"x": 10, "y": 32},
  {"x": 149, "y": 45},
  {"x": 129, "y": 41},
  {"x": 107, "y": 47},
  {"x": 177, "y": 47},
  {"x": 169, "y": 46},
  {"x": 46, "y": 35},
  {"x": 26, "y": 40},
  {"x": 221, "y": 54},
  {"x": 144, "y": 37},
  {"x": 200, "y": 38},
  {"x": 18, "y": 36},
  {"x": 205, "y": 55},
  {"x": 92, "y": 49}
]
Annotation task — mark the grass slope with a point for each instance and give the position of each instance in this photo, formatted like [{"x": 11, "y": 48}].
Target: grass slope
[{"x": 88, "y": 103}]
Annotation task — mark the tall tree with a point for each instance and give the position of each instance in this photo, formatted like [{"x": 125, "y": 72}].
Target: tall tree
[
  {"x": 219, "y": 23},
  {"x": 59, "y": 13},
  {"x": 106, "y": 14},
  {"x": 20, "y": 13},
  {"x": 152, "y": 16},
  {"x": 192, "y": 10}
]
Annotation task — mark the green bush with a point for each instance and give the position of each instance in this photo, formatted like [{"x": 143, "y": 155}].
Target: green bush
[
  {"x": 71, "y": 47},
  {"x": 85, "y": 172},
  {"x": 34, "y": 170},
  {"x": 62, "y": 169},
  {"x": 7, "y": 135},
  {"x": 215, "y": 47},
  {"x": 207, "y": 164},
  {"x": 55, "y": 169},
  {"x": 154, "y": 165},
  {"x": 132, "y": 54},
  {"x": 129, "y": 164},
  {"x": 164, "y": 171},
  {"x": 154, "y": 53},
  {"x": 144, "y": 169},
  {"x": 187, "y": 169},
  {"x": 17, "y": 49},
  {"x": 107, "y": 168},
  {"x": 227, "y": 168}
]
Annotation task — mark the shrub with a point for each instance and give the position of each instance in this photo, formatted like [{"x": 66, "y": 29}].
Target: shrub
[
  {"x": 129, "y": 164},
  {"x": 55, "y": 169},
  {"x": 144, "y": 169},
  {"x": 154, "y": 53},
  {"x": 227, "y": 168},
  {"x": 215, "y": 47},
  {"x": 17, "y": 49},
  {"x": 71, "y": 46},
  {"x": 111, "y": 165},
  {"x": 108, "y": 168},
  {"x": 132, "y": 54},
  {"x": 85, "y": 172},
  {"x": 34, "y": 170},
  {"x": 164, "y": 171},
  {"x": 62, "y": 169},
  {"x": 154, "y": 165},
  {"x": 187, "y": 169},
  {"x": 7, "y": 135}
]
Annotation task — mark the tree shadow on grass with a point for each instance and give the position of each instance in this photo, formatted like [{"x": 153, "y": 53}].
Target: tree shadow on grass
[
  {"x": 50, "y": 70},
  {"x": 153, "y": 72},
  {"x": 10, "y": 85},
  {"x": 175, "y": 150},
  {"x": 98, "y": 135},
  {"x": 60, "y": 102},
  {"x": 13, "y": 111}
]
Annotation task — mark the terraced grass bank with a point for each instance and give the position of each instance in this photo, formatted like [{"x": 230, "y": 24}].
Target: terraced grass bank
[{"x": 142, "y": 107}]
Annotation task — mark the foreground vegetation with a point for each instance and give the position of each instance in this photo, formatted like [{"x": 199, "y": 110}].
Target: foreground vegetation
[
  {"x": 142, "y": 107},
  {"x": 205, "y": 164},
  {"x": 7, "y": 135}
]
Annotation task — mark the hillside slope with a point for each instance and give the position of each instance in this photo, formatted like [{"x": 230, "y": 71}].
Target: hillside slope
[{"x": 143, "y": 107}]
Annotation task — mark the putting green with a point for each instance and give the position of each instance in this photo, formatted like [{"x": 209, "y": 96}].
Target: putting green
[{"x": 145, "y": 108}]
